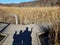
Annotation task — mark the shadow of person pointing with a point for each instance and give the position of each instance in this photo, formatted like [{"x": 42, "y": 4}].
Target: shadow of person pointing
[
  {"x": 17, "y": 38},
  {"x": 27, "y": 39}
]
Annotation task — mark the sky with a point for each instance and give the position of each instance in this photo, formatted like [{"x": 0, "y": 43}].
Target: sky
[{"x": 13, "y": 1}]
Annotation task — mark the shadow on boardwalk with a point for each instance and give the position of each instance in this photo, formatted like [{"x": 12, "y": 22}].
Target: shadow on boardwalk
[{"x": 23, "y": 38}]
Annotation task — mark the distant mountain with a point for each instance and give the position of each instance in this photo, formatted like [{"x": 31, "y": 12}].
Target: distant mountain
[
  {"x": 31, "y": 4},
  {"x": 24, "y": 4}
]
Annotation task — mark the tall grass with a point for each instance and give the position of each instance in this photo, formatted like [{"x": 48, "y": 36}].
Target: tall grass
[{"x": 28, "y": 15}]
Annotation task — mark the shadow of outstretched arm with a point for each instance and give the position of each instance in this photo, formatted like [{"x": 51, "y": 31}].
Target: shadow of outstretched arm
[{"x": 31, "y": 29}]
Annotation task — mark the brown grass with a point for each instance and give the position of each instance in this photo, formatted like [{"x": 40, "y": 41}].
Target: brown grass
[
  {"x": 34, "y": 14},
  {"x": 28, "y": 15}
]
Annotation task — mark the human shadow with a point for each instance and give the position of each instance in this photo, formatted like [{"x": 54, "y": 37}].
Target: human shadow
[
  {"x": 23, "y": 38},
  {"x": 27, "y": 39},
  {"x": 17, "y": 38}
]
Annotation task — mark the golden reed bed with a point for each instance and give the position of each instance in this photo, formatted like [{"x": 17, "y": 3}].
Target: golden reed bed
[{"x": 28, "y": 15}]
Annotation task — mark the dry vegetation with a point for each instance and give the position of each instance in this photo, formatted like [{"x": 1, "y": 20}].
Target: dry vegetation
[{"x": 28, "y": 15}]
